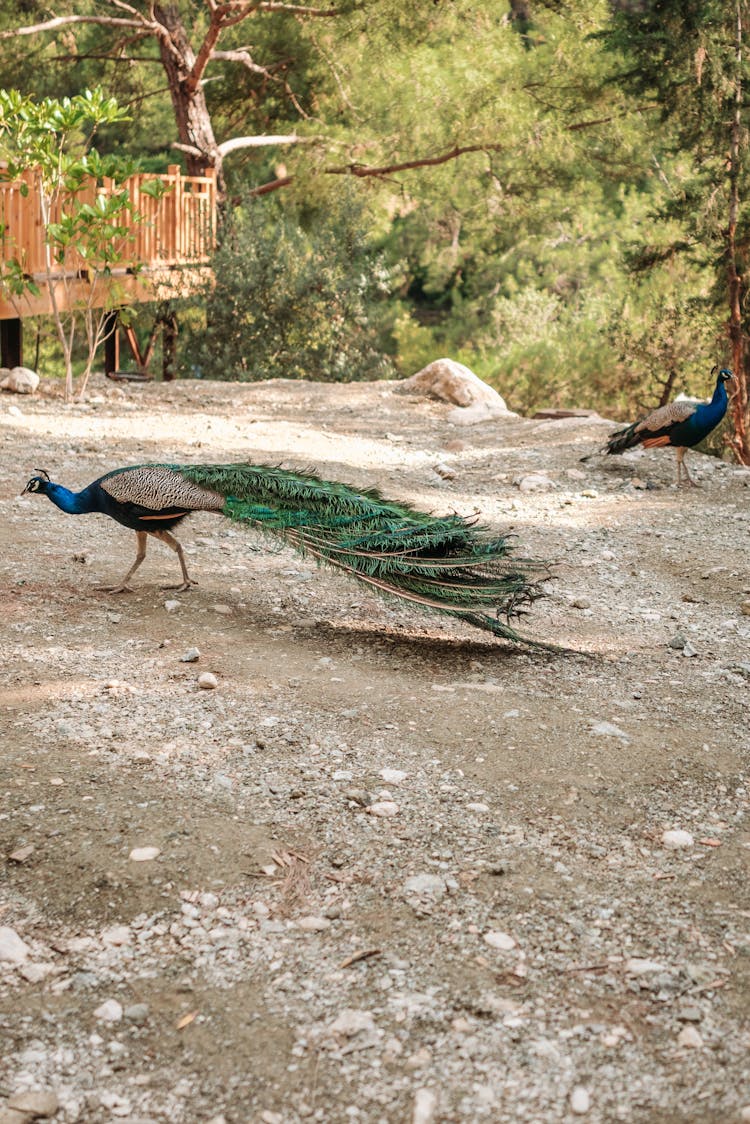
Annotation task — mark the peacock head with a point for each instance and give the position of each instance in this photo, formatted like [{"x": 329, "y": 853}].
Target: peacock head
[
  {"x": 38, "y": 483},
  {"x": 724, "y": 374}
]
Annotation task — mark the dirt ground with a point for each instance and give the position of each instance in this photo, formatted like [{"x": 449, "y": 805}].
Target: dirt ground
[{"x": 405, "y": 872}]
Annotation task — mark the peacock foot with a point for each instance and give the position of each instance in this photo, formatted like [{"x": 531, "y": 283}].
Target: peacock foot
[
  {"x": 183, "y": 587},
  {"x": 123, "y": 588}
]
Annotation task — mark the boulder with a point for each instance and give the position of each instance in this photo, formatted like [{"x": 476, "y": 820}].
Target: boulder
[
  {"x": 19, "y": 380},
  {"x": 453, "y": 382}
]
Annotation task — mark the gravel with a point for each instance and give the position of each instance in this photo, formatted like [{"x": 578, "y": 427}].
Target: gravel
[{"x": 386, "y": 868}]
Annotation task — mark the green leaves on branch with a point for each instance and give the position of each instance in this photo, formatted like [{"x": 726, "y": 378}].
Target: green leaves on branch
[{"x": 86, "y": 213}]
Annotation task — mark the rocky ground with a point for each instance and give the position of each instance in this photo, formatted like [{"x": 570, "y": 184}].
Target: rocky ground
[{"x": 385, "y": 868}]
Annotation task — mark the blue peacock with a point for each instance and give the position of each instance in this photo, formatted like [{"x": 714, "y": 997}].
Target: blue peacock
[
  {"x": 680, "y": 424},
  {"x": 444, "y": 563}
]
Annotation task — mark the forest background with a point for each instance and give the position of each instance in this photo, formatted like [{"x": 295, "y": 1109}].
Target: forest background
[{"x": 552, "y": 193}]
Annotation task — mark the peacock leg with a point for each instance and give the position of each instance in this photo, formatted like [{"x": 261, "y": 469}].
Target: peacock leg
[
  {"x": 171, "y": 541},
  {"x": 141, "y": 539},
  {"x": 683, "y": 468}
]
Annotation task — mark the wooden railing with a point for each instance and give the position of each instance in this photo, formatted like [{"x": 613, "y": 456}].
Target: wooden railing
[{"x": 178, "y": 229}]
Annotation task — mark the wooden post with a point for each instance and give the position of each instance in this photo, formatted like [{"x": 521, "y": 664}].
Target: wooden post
[
  {"x": 11, "y": 343},
  {"x": 169, "y": 347},
  {"x": 111, "y": 343},
  {"x": 178, "y": 243}
]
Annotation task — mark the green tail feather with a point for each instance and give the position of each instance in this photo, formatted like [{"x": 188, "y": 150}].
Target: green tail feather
[{"x": 445, "y": 563}]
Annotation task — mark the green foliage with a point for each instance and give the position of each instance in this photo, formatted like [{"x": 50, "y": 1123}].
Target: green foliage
[
  {"x": 292, "y": 299},
  {"x": 575, "y": 258},
  {"x": 83, "y": 209}
]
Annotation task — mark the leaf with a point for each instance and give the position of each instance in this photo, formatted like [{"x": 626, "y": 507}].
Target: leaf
[{"x": 186, "y": 1020}]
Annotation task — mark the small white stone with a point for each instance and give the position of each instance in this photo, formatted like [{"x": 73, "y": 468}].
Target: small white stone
[
  {"x": 425, "y": 1106},
  {"x": 207, "y": 681},
  {"x": 224, "y": 610},
  {"x": 534, "y": 482},
  {"x": 392, "y": 776},
  {"x": 352, "y": 1021},
  {"x": 110, "y": 1011},
  {"x": 171, "y": 605},
  {"x": 675, "y": 839},
  {"x": 20, "y": 380},
  {"x": 478, "y": 807},
  {"x": 495, "y": 939},
  {"x": 580, "y": 1101},
  {"x": 426, "y": 885},
  {"x": 35, "y": 1104},
  {"x": 313, "y": 924},
  {"x": 116, "y": 935},
  {"x": 192, "y": 655},
  {"x": 383, "y": 808},
  {"x": 12, "y": 949},
  {"x": 690, "y": 1038},
  {"x": 608, "y": 730},
  {"x": 143, "y": 854},
  {"x": 36, "y": 972},
  {"x": 638, "y": 966}
]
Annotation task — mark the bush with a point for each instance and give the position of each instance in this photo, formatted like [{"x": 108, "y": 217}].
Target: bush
[{"x": 292, "y": 300}]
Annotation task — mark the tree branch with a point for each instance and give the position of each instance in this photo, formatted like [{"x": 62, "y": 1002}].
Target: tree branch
[
  {"x": 63, "y": 21},
  {"x": 228, "y": 146},
  {"x": 298, "y": 9},
  {"x": 365, "y": 170},
  {"x": 242, "y": 55}
]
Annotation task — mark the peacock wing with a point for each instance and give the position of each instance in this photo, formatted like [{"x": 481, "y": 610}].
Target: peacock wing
[
  {"x": 155, "y": 487},
  {"x": 663, "y": 419}
]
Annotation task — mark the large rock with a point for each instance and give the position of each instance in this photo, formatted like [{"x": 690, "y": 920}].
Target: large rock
[
  {"x": 453, "y": 382},
  {"x": 20, "y": 380}
]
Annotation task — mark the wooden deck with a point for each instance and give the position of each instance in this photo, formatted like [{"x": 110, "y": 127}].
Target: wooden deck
[{"x": 165, "y": 255}]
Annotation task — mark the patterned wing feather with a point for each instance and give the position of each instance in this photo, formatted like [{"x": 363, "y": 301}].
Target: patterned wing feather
[
  {"x": 157, "y": 486},
  {"x": 666, "y": 416}
]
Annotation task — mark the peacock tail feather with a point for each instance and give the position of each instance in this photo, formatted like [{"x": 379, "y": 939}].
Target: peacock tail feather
[{"x": 445, "y": 563}]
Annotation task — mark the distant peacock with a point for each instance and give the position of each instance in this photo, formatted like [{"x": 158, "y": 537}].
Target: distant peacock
[
  {"x": 444, "y": 563},
  {"x": 680, "y": 424}
]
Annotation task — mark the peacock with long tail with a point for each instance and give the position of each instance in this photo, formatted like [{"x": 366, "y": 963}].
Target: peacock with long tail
[
  {"x": 444, "y": 563},
  {"x": 680, "y": 424}
]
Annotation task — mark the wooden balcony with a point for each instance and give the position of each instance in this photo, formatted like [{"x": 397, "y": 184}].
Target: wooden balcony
[{"x": 165, "y": 255}]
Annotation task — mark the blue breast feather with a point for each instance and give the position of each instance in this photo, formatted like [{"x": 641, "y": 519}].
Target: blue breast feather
[{"x": 706, "y": 417}]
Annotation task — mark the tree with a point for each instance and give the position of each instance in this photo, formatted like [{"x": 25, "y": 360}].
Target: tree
[
  {"x": 686, "y": 57},
  {"x": 213, "y": 44},
  {"x": 84, "y": 211}
]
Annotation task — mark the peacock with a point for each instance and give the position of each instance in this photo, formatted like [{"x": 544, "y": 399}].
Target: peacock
[
  {"x": 445, "y": 563},
  {"x": 681, "y": 424}
]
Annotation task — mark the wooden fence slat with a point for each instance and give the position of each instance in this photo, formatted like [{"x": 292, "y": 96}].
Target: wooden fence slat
[{"x": 176, "y": 230}]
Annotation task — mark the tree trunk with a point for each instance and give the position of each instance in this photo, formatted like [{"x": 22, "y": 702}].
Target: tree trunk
[
  {"x": 193, "y": 119},
  {"x": 740, "y": 439}
]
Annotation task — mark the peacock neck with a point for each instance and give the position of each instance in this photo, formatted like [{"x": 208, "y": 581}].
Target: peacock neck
[
  {"x": 74, "y": 503},
  {"x": 720, "y": 394},
  {"x": 714, "y": 411}
]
